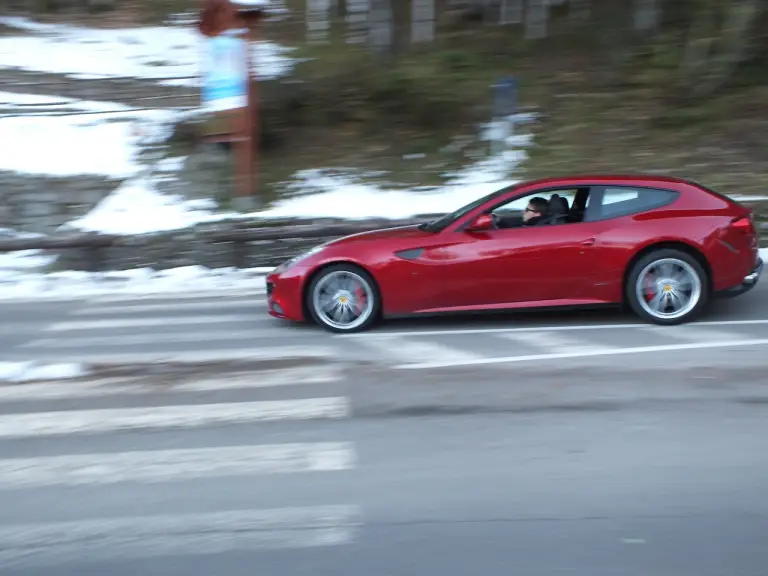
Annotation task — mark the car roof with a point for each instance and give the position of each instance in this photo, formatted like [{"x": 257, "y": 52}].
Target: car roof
[{"x": 607, "y": 178}]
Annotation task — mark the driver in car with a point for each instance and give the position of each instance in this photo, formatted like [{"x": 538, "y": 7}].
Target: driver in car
[{"x": 535, "y": 211}]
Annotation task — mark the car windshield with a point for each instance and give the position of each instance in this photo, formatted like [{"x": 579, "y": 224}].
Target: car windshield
[{"x": 444, "y": 221}]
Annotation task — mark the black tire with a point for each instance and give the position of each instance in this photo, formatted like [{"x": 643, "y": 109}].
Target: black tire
[
  {"x": 375, "y": 308},
  {"x": 630, "y": 289}
]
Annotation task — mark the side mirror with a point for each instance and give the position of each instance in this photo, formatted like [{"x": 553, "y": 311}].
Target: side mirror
[{"x": 482, "y": 222}]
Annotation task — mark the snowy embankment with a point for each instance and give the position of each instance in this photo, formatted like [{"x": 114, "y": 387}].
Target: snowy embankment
[{"x": 105, "y": 138}]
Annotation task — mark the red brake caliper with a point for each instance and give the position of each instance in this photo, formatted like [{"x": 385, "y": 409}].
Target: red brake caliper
[
  {"x": 360, "y": 298},
  {"x": 650, "y": 288}
]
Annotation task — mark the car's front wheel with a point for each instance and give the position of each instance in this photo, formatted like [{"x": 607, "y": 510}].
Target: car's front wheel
[
  {"x": 343, "y": 298},
  {"x": 667, "y": 287}
]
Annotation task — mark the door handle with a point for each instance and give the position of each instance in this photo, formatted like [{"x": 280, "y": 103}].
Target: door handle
[{"x": 588, "y": 242}]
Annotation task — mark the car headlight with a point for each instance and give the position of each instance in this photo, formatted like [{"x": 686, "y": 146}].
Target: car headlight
[{"x": 299, "y": 258}]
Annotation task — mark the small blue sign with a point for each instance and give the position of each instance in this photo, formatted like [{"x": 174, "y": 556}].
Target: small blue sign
[
  {"x": 225, "y": 74},
  {"x": 505, "y": 97}
]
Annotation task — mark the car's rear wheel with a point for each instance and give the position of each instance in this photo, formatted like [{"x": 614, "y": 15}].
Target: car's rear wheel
[
  {"x": 343, "y": 298},
  {"x": 667, "y": 287}
]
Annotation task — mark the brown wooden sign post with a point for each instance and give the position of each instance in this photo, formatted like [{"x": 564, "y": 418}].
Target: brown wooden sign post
[{"x": 230, "y": 89}]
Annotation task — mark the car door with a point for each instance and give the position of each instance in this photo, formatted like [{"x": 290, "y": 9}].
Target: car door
[
  {"x": 611, "y": 217},
  {"x": 508, "y": 267}
]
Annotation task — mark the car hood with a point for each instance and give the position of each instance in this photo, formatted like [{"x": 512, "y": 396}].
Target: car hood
[{"x": 399, "y": 233}]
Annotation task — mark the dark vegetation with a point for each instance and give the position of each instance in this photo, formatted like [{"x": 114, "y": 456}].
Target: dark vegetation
[{"x": 682, "y": 90}]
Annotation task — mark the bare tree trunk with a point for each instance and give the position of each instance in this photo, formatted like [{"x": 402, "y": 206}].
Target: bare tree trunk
[
  {"x": 422, "y": 21},
  {"x": 647, "y": 15},
  {"x": 733, "y": 42},
  {"x": 318, "y": 20},
  {"x": 536, "y": 19},
  {"x": 580, "y": 10},
  {"x": 700, "y": 40},
  {"x": 381, "y": 35},
  {"x": 357, "y": 13},
  {"x": 511, "y": 12},
  {"x": 339, "y": 8}
]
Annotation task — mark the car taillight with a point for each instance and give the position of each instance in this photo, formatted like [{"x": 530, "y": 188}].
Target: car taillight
[{"x": 743, "y": 225}]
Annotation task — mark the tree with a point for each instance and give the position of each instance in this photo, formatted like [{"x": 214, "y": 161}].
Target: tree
[{"x": 717, "y": 43}]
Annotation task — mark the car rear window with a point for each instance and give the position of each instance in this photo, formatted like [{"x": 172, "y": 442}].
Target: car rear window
[{"x": 622, "y": 201}]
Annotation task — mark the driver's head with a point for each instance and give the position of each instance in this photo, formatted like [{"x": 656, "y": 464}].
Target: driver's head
[{"x": 536, "y": 207}]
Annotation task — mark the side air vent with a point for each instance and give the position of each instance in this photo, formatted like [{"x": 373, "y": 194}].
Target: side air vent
[{"x": 411, "y": 254}]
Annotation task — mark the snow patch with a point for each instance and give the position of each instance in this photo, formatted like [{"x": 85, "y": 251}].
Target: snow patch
[
  {"x": 170, "y": 55},
  {"x": 105, "y": 141},
  {"x": 21, "y": 260},
  {"x": 74, "y": 285},
  {"x": 136, "y": 207},
  {"x": 31, "y": 371}
]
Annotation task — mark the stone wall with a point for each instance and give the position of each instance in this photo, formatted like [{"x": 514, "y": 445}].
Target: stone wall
[
  {"x": 198, "y": 246},
  {"x": 42, "y": 204}
]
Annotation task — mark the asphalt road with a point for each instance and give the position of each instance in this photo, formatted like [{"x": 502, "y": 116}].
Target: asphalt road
[
  {"x": 342, "y": 470},
  {"x": 145, "y": 329}
]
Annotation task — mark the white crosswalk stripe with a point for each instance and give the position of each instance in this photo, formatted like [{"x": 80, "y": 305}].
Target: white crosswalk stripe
[
  {"x": 120, "y": 419},
  {"x": 170, "y": 465},
  {"x": 52, "y": 544},
  {"x": 72, "y": 538},
  {"x": 552, "y": 341},
  {"x": 110, "y": 386},
  {"x": 411, "y": 350},
  {"x": 148, "y": 338},
  {"x": 687, "y": 333},
  {"x": 141, "y": 322},
  {"x": 138, "y": 307}
]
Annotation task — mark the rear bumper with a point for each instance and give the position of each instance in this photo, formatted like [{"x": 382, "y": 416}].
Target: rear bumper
[{"x": 749, "y": 282}]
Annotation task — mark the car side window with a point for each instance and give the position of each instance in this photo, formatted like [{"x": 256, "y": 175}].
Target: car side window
[
  {"x": 510, "y": 214},
  {"x": 616, "y": 201}
]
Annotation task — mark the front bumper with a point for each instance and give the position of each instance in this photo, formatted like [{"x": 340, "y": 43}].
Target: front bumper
[
  {"x": 284, "y": 295},
  {"x": 749, "y": 282}
]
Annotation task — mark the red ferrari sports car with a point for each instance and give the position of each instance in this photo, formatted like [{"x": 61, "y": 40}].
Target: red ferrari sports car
[{"x": 663, "y": 246}]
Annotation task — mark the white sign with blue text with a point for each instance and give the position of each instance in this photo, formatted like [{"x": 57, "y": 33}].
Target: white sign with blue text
[{"x": 225, "y": 74}]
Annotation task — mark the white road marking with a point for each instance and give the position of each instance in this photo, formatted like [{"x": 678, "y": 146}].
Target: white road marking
[
  {"x": 168, "y": 417},
  {"x": 48, "y": 544},
  {"x": 543, "y": 340},
  {"x": 100, "y": 387},
  {"x": 583, "y": 354},
  {"x": 174, "y": 465},
  {"x": 143, "y": 322},
  {"x": 407, "y": 350},
  {"x": 136, "y": 308},
  {"x": 260, "y": 354},
  {"x": 154, "y": 338},
  {"x": 466, "y": 331}
]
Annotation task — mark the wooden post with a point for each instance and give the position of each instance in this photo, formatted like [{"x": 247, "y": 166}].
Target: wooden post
[
  {"x": 249, "y": 198},
  {"x": 254, "y": 118},
  {"x": 237, "y": 21},
  {"x": 245, "y": 200}
]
